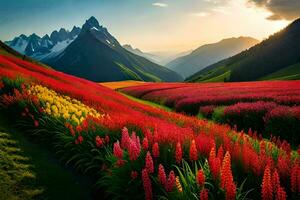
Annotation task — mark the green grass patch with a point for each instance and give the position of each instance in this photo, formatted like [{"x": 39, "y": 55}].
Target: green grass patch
[
  {"x": 149, "y": 103},
  {"x": 288, "y": 73},
  {"x": 58, "y": 181}
]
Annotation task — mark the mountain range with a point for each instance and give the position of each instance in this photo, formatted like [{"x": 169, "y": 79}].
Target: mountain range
[
  {"x": 41, "y": 47},
  {"x": 96, "y": 55},
  {"x": 90, "y": 52},
  {"x": 277, "y": 57},
  {"x": 209, "y": 54}
]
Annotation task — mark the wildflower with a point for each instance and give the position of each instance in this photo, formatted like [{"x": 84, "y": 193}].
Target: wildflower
[
  {"x": 147, "y": 184},
  {"x": 295, "y": 178},
  {"x": 227, "y": 178},
  {"x": 200, "y": 178},
  {"x": 99, "y": 141},
  {"x": 204, "y": 194},
  {"x": 118, "y": 152},
  {"x": 275, "y": 180},
  {"x": 134, "y": 175},
  {"x": 178, "y": 184},
  {"x": 178, "y": 153},
  {"x": 125, "y": 140},
  {"x": 280, "y": 194},
  {"x": 162, "y": 177},
  {"x": 145, "y": 144},
  {"x": 155, "y": 150},
  {"x": 36, "y": 123},
  {"x": 220, "y": 153},
  {"x": 266, "y": 187},
  {"x": 107, "y": 139},
  {"x": 133, "y": 150},
  {"x": 149, "y": 163},
  {"x": 193, "y": 151},
  {"x": 170, "y": 182}
]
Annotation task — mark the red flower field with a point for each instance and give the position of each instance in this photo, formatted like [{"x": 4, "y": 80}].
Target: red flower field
[{"x": 135, "y": 151}]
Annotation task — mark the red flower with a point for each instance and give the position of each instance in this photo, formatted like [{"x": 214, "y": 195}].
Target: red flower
[
  {"x": 220, "y": 153},
  {"x": 275, "y": 180},
  {"x": 227, "y": 182},
  {"x": 125, "y": 140},
  {"x": 178, "y": 153},
  {"x": 79, "y": 140},
  {"x": 204, "y": 194},
  {"x": 214, "y": 164},
  {"x": 155, "y": 150},
  {"x": 133, "y": 150},
  {"x": 266, "y": 187},
  {"x": 295, "y": 178},
  {"x": 280, "y": 194},
  {"x": 193, "y": 151},
  {"x": 145, "y": 144},
  {"x": 36, "y": 123},
  {"x": 118, "y": 152},
  {"x": 134, "y": 175},
  {"x": 147, "y": 184},
  {"x": 200, "y": 178},
  {"x": 171, "y": 182},
  {"x": 162, "y": 177},
  {"x": 107, "y": 139},
  {"x": 99, "y": 141},
  {"x": 149, "y": 163}
]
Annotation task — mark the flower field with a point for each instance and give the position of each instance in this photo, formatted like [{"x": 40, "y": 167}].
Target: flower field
[
  {"x": 134, "y": 151},
  {"x": 270, "y": 107}
]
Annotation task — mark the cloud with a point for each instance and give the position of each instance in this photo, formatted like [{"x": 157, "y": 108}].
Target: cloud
[
  {"x": 280, "y": 9},
  {"x": 158, "y": 4}
]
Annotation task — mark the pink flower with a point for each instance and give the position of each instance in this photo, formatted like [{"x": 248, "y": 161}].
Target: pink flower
[
  {"x": 155, "y": 150},
  {"x": 118, "y": 152},
  {"x": 149, "y": 163}
]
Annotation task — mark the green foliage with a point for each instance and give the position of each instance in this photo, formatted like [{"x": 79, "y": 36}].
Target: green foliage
[
  {"x": 17, "y": 181},
  {"x": 218, "y": 114}
]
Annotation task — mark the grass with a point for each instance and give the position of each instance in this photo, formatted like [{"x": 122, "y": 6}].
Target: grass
[
  {"x": 17, "y": 180},
  {"x": 149, "y": 103},
  {"x": 122, "y": 84},
  {"x": 288, "y": 73},
  {"x": 57, "y": 181}
]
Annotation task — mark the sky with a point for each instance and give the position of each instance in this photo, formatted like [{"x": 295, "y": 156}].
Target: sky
[{"x": 152, "y": 25}]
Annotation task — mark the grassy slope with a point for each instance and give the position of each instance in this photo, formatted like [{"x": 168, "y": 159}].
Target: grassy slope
[
  {"x": 288, "y": 73},
  {"x": 147, "y": 102},
  {"x": 5, "y": 50},
  {"x": 58, "y": 182}
]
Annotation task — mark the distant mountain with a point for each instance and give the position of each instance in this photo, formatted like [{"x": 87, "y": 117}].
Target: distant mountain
[
  {"x": 209, "y": 54},
  {"x": 96, "y": 55},
  {"x": 138, "y": 52},
  {"x": 41, "y": 47},
  {"x": 277, "y": 57}
]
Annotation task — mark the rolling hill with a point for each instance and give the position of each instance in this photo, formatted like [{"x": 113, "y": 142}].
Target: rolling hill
[
  {"x": 96, "y": 55},
  {"x": 209, "y": 54},
  {"x": 276, "y": 57}
]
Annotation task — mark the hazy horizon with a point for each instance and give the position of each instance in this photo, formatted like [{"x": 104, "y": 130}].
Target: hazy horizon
[{"x": 152, "y": 26}]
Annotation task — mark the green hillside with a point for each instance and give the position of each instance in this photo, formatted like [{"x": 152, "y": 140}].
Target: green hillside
[{"x": 276, "y": 57}]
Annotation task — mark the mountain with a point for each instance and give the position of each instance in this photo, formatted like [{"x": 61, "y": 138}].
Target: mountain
[
  {"x": 41, "y": 47},
  {"x": 96, "y": 55},
  {"x": 275, "y": 58},
  {"x": 210, "y": 54},
  {"x": 138, "y": 52}
]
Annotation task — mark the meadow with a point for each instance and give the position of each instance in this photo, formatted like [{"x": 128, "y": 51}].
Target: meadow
[
  {"x": 136, "y": 151},
  {"x": 270, "y": 108}
]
